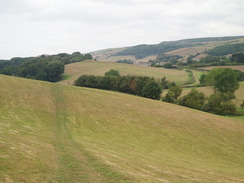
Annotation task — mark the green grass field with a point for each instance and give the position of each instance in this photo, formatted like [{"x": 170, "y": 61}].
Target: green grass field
[
  {"x": 58, "y": 133},
  {"x": 99, "y": 68}
]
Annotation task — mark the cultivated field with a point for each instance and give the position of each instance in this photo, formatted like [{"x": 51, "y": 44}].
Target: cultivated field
[
  {"x": 58, "y": 133},
  {"x": 99, "y": 68},
  {"x": 186, "y": 52}
]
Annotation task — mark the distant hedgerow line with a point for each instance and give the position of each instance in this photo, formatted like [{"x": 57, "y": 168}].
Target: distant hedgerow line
[{"x": 136, "y": 85}]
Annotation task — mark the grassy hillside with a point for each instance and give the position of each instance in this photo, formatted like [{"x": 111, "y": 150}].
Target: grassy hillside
[
  {"x": 57, "y": 133},
  {"x": 99, "y": 68}
]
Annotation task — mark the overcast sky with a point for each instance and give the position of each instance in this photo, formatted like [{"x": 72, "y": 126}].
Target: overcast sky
[{"x": 35, "y": 27}]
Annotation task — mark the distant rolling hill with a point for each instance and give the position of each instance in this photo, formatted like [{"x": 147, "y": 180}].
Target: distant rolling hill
[
  {"x": 58, "y": 133},
  {"x": 73, "y": 71},
  {"x": 198, "y": 47}
]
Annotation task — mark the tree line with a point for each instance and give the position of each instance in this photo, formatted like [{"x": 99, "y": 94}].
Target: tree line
[
  {"x": 46, "y": 68},
  {"x": 234, "y": 59},
  {"x": 136, "y": 85},
  {"x": 224, "y": 81}
]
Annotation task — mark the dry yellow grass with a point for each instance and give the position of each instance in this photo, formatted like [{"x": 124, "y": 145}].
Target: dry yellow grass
[
  {"x": 99, "y": 68},
  {"x": 58, "y": 133},
  {"x": 105, "y": 54},
  {"x": 116, "y": 58},
  {"x": 186, "y": 52},
  {"x": 128, "y": 57},
  {"x": 146, "y": 59}
]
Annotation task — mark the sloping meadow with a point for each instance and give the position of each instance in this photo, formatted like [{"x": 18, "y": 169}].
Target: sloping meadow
[
  {"x": 75, "y": 70},
  {"x": 56, "y": 133}
]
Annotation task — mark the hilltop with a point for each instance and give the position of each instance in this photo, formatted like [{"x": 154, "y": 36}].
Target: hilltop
[
  {"x": 196, "y": 48},
  {"x": 74, "y": 70},
  {"x": 58, "y": 133}
]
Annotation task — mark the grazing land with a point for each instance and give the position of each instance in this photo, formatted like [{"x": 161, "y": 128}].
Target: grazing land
[
  {"x": 58, "y": 133},
  {"x": 99, "y": 68}
]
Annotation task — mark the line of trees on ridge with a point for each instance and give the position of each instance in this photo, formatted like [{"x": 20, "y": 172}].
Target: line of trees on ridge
[
  {"x": 136, "y": 85},
  {"x": 46, "y": 67},
  {"x": 224, "y": 81}
]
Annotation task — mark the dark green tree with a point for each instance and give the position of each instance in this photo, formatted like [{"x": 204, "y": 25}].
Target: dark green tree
[
  {"x": 77, "y": 53},
  {"x": 226, "y": 81},
  {"x": 237, "y": 58},
  {"x": 242, "y": 105},
  {"x": 41, "y": 75},
  {"x": 165, "y": 84},
  {"x": 209, "y": 79},
  {"x": 240, "y": 75},
  {"x": 87, "y": 56},
  {"x": 168, "y": 66},
  {"x": 112, "y": 72},
  {"x": 152, "y": 90},
  {"x": 220, "y": 103},
  {"x": 202, "y": 80},
  {"x": 54, "y": 70},
  {"x": 210, "y": 59},
  {"x": 173, "y": 94},
  {"x": 194, "y": 99},
  {"x": 107, "y": 82},
  {"x": 140, "y": 83},
  {"x": 124, "y": 84}
]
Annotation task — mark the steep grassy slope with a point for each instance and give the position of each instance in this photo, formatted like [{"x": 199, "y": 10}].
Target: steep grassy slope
[
  {"x": 99, "y": 68},
  {"x": 58, "y": 133},
  {"x": 35, "y": 143}
]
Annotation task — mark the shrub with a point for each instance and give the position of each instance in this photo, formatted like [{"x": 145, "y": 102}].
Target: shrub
[
  {"x": 194, "y": 99},
  {"x": 220, "y": 104}
]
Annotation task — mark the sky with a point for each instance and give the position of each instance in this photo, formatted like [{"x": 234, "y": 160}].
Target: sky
[{"x": 36, "y": 27}]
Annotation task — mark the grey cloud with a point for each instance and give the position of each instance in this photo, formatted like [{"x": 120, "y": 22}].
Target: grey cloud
[{"x": 85, "y": 25}]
